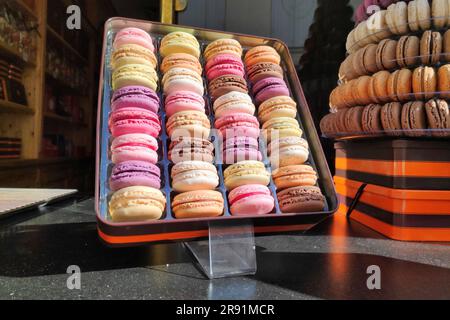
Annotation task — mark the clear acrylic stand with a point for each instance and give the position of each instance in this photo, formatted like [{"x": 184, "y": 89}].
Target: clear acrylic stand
[{"x": 229, "y": 252}]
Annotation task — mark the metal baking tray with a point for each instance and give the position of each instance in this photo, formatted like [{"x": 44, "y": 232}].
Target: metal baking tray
[{"x": 169, "y": 228}]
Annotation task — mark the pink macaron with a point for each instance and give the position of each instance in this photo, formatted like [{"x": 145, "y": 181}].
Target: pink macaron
[
  {"x": 239, "y": 149},
  {"x": 224, "y": 64},
  {"x": 138, "y": 147},
  {"x": 133, "y": 36},
  {"x": 135, "y": 174},
  {"x": 134, "y": 120},
  {"x": 239, "y": 124},
  {"x": 184, "y": 101},
  {"x": 251, "y": 200},
  {"x": 269, "y": 88},
  {"x": 135, "y": 97}
]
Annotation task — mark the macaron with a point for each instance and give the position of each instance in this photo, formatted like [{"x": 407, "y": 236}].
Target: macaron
[
  {"x": 263, "y": 70},
  {"x": 134, "y": 36},
  {"x": 294, "y": 176},
  {"x": 269, "y": 88},
  {"x": 182, "y": 79},
  {"x": 194, "y": 175},
  {"x": 419, "y": 15},
  {"x": 135, "y": 173},
  {"x": 439, "y": 12},
  {"x": 277, "y": 107},
  {"x": 431, "y": 47},
  {"x": 378, "y": 90},
  {"x": 189, "y": 124},
  {"x": 198, "y": 204},
  {"x": 353, "y": 120},
  {"x": 391, "y": 115},
  {"x": 288, "y": 151},
  {"x": 397, "y": 18},
  {"x": 399, "y": 85},
  {"x": 223, "y": 46},
  {"x": 181, "y": 60},
  {"x": 226, "y": 84},
  {"x": 179, "y": 101},
  {"x": 438, "y": 114},
  {"x": 135, "y": 75},
  {"x": 424, "y": 83},
  {"x": 179, "y": 42},
  {"x": 371, "y": 119},
  {"x": 245, "y": 173},
  {"x": 134, "y": 147},
  {"x": 224, "y": 64},
  {"x": 240, "y": 148},
  {"x": 446, "y": 45},
  {"x": 414, "y": 118},
  {"x": 301, "y": 199},
  {"x": 280, "y": 128},
  {"x": 191, "y": 149},
  {"x": 133, "y": 54},
  {"x": 444, "y": 81},
  {"x": 134, "y": 120},
  {"x": 135, "y": 97},
  {"x": 232, "y": 103},
  {"x": 251, "y": 200},
  {"x": 386, "y": 55},
  {"x": 261, "y": 54},
  {"x": 408, "y": 51},
  {"x": 239, "y": 124},
  {"x": 137, "y": 204}
]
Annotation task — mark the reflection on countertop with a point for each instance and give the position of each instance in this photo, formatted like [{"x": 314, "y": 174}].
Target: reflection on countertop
[{"x": 329, "y": 262}]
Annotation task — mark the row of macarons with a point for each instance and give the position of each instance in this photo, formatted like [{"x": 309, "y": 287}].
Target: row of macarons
[
  {"x": 402, "y": 85},
  {"x": 366, "y": 8},
  {"x": 409, "y": 51},
  {"x": 413, "y": 119},
  {"x": 197, "y": 195},
  {"x": 400, "y": 18}
]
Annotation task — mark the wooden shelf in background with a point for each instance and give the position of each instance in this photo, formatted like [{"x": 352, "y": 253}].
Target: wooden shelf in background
[
  {"x": 67, "y": 45},
  {"x": 15, "y": 54},
  {"x": 67, "y": 120},
  {"x": 11, "y": 107}
]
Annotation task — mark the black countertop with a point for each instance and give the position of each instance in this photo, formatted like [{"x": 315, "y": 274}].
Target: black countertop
[{"x": 329, "y": 262}]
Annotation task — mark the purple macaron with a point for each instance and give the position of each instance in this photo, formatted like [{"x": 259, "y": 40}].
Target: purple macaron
[
  {"x": 239, "y": 149},
  {"x": 268, "y": 88},
  {"x": 135, "y": 173},
  {"x": 135, "y": 97}
]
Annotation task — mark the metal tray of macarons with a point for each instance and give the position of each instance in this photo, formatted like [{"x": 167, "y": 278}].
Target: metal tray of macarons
[{"x": 168, "y": 228}]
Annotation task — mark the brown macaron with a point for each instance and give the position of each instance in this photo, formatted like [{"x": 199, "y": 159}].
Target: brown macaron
[
  {"x": 386, "y": 55},
  {"x": 358, "y": 63},
  {"x": 379, "y": 87},
  {"x": 340, "y": 121},
  {"x": 399, "y": 85},
  {"x": 446, "y": 45},
  {"x": 301, "y": 199},
  {"x": 264, "y": 70},
  {"x": 444, "y": 81},
  {"x": 369, "y": 59},
  {"x": 438, "y": 115},
  {"x": 361, "y": 91},
  {"x": 391, "y": 115},
  {"x": 408, "y": 51},
  {"x": 353, "y": 120},
  {"x": 348, "y": 99},
  {"x": 424, "y": 83},
  {"x": 225, "y": 84},
  {"x": 326, "y": 125},
  {"x": 414, "y": 119},
  {"x": 371, "y": 119},
  {"x": 431, "y": 47}
]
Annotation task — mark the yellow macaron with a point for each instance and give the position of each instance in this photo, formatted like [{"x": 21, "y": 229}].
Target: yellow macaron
[
  {"x": 180, "y": 42},
  {"x": 135, "y": 75},
  {"x": 280, "y": 128},
  {"x": 134, "y": 204},
  {"x": 244, "y": 173},
  {"x": 277, "y": 107},
  {"x": 133, "y": 54}
]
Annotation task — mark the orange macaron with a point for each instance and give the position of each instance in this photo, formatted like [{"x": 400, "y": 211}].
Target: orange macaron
[{"x": 198, "y": 204}]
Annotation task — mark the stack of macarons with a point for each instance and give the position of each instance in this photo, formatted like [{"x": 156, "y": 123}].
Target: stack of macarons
[
  {"x": 288, "y": 151},
  {"x": 238, "y": 129},
  {"x": 135, "y": 127},
  {"x": 194, "y": 176}
]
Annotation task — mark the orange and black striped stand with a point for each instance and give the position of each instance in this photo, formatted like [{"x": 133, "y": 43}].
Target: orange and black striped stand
[{"x": 400, "y": 188}]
